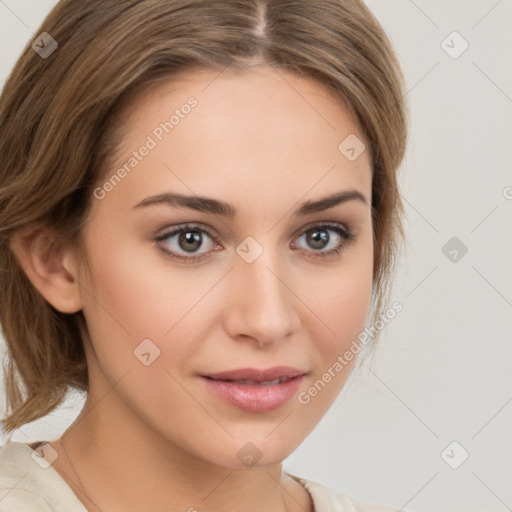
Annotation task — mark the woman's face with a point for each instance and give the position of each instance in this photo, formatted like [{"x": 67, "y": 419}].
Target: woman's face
[{"x": 226, "y": 170}]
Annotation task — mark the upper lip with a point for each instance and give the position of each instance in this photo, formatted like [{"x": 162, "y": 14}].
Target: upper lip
[{"x": 256, "y": 375}]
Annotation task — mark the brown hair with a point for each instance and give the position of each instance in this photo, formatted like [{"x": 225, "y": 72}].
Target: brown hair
[{"x": 60, "y": 129}]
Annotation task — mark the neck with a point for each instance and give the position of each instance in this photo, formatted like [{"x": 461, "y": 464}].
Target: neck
[{"x": 116, "y": 462}]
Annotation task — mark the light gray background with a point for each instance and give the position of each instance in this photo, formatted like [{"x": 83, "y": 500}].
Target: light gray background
[{"x": 442, "y": 371}]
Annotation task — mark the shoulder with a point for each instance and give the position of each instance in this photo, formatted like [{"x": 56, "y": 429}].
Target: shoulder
[
  {"x": 17, "y": 491},
  {"x": 326, "y": 500},
  {"x": 28, "y": 483}
]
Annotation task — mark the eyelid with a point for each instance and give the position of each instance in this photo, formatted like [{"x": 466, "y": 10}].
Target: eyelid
[
  {"x": 346, "y": 233},
  {"x": 342, "y": 230},
  {"x": 203, "y": 228},
  {"x": 321, "y": 223}
]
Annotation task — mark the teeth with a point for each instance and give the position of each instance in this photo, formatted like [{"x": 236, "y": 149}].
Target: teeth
[{"x": 264, "y": 383}]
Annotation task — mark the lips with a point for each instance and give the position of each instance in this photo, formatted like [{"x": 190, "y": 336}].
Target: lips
[
  {"x": 255, "y": 390},
  {"x": 254, "y": 376}
]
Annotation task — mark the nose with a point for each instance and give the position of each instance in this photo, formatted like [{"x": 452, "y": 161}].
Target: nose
[{"x": 261, "y": 305}]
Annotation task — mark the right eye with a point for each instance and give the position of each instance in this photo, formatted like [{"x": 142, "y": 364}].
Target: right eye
[{"x": 184, "y": 242}]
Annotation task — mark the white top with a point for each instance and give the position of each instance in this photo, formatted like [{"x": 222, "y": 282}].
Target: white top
[{"x": 27, "y": 486}]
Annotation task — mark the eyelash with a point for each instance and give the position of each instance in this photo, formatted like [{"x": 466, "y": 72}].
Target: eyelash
[{"x": 344, "y": 232}]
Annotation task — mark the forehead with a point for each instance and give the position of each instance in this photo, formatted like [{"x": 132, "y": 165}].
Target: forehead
[
  {"x": 257, "y": 129},
  {"x": 230, "y": 94}
]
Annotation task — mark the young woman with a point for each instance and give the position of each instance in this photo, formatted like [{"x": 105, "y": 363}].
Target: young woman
[{"x": 199, "y": 208}]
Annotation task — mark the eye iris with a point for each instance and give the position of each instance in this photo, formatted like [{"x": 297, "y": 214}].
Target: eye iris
[
  {"x": 191, "y": 239},
  {"x": 318, "y": 238}
]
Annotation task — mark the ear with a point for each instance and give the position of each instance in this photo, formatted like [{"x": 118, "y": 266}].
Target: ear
[{"x": 51, "y": 271}]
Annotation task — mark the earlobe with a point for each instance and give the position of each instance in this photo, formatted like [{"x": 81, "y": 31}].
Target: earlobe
[{"x": 50, "y": 270}]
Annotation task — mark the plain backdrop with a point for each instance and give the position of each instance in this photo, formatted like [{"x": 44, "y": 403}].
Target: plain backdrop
[{"x": 440, "y": 386}]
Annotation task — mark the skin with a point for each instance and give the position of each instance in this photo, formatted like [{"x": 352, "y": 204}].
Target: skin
[{"x": 154, "y": 437}]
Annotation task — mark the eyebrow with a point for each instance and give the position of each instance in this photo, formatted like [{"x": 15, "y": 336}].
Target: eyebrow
[{"x": 216, "y": 207}]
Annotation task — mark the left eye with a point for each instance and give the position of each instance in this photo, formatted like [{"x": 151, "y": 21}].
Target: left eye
[{"x": 320, "y": 239}]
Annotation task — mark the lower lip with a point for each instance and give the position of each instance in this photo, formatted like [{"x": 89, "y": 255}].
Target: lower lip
[{"x": 255, "y": 398}]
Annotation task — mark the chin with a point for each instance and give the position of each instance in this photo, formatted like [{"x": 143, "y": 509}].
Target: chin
[{"x": 261, "y": 449}]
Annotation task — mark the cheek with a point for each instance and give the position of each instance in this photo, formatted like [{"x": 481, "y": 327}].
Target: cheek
[
  {"x": 135, "y": 301},
  {"x": 133, "y": 295}
]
